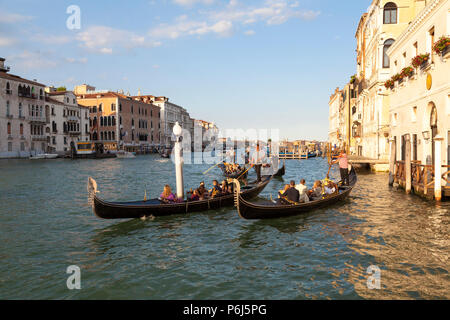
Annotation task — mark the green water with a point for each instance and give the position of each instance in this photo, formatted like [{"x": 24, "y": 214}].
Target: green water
[{"x": 46, "y": 225}]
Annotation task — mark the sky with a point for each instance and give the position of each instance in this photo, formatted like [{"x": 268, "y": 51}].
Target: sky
[{"x": 259, "y": 64}]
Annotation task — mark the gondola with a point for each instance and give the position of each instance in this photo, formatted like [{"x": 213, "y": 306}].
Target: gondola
[
  {"x": 153, "y": 207},
  {"x": 282, "y": 171},
  {"x": 243, "y": 173},
  {"x": 270, "y": 210}
]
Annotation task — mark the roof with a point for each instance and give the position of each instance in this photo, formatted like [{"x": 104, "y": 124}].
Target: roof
[{"x": 13, "y": 77}]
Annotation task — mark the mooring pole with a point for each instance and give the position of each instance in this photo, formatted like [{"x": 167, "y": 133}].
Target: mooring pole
[
  {"x": 437, "y": 168},
  {"x": 177, "y": 131},
  {"x": 392, "y": 161},
  {"x": 408, "y": 164}
]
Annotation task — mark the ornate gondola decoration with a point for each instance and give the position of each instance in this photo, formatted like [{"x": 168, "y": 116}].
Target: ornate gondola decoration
[
  {"x": 270, "y": 210},
  {"x": 282, "y": 171},
  {"x": 153, "y": 207}
]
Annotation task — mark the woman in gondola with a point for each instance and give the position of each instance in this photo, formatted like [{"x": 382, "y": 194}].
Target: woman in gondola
[
  {"x": 167, "y": 196},
  {"x": 316, "y": 192}
]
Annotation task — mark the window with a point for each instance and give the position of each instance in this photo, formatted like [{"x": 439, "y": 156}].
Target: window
[
  {"x": 387, "y": 44},
  {"x": 22, "y": 146},
  {"x": 414, "y": 114},
  {"x": 65, "y": 140},
  {"x": 390, "y": 13},
  {"x": 8, "y": 88},
  {"x": 113, "y": 107},
  {"x": 430, "y": 43},
  {"x": 20, "y": 110},
  {"x": 7, "y": 109},
  {"x": 9, "y": 146},
  {"x": 100, "y": 108},
  {"x": 9, "y": 128},
  {"x": 21, "y": 129}
]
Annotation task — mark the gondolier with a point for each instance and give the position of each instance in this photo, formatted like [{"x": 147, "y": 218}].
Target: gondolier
[
  {"x": 256, "y": 160},
  {"x": 342, "y": 159}
]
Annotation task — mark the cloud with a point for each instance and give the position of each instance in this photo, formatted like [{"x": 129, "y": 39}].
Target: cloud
[
  {"x": 33, "y": 60},
  {"x": 192, "y": 2},
  {"x": 51, "y": 39},
  {"x": 249, "y": 32},
  {"x": 105, "y": 40},
  {"x": 7, "y": 42},
  {"x": 185, "y": 27},
  {"x": 75, "y": 60},
  {"x": 6, "y": 17}
]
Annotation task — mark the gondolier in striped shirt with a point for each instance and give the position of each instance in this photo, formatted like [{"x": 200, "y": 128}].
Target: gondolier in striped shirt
[
  {"x": 257, "y": 160},
  {"x": 342, "y": 159}
]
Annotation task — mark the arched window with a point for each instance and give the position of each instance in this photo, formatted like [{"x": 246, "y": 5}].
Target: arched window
[
  {"x": 21, "y": 129},
  {"x": 7, "y": 108},
  {"x": 390, "y": 13},
  {"x": 20, "y": 110},
  {"x": 9, "y": 127},
  {"x": 387, "y": 44},
  {"x": 101, "y": 121}
]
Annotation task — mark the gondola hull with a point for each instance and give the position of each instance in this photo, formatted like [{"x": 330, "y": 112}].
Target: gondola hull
[
  {"x": 281, "y": 172},
  {"x": 133, "y": 210},
  {"x": 269, "y": 210}
]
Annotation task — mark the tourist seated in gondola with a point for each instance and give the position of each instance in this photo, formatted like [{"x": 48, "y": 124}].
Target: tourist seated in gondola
[
  {"x": 195, "y": 196},
  {"x": 303, "y": 190},
  {"x": 225, "y": 188},
  {"x": 167, "y": 196},
  {"x": 316, "y": 192},
  {"x": 330, "y": 188},
  {"x": 202, "y": 191},
  {"x": 216, "y": 190},
  {"x": 290, "y": 196},
  {"x": 281, "y": 192}
]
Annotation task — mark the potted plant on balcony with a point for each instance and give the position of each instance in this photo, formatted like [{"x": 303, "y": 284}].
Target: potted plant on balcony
[
  {"x": 421, "y": 60},
  {"x": 407, "y": 72},
  {"x": 397, "y": 77},
  {"x": 442, "y": 46},
  {"x": 389, "y": 84}
]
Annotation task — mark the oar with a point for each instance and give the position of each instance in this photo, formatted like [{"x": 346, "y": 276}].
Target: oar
[
  {"x": 329, "y": 168},
  {"x": 212, "y": 167},
  {"x": 245, "y": 171}
]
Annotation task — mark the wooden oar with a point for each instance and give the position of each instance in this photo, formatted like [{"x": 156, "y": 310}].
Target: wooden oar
[
  {"x": 212, "y": 167},
  {"x": 245, "y": 171},
  {"x": 329, "y": 168}
]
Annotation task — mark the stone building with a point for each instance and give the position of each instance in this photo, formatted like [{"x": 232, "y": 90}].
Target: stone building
[
  {"x": 22, "y": 115},
  {"x": 378, "y": 29},
  {"x": 69, "y": 121},
  {"x": 420, "y": 103},
  {"x": 334, "y": 132},
  {"x": 121, "y": 121}
]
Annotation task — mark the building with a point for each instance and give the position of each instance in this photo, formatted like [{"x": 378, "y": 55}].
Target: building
[
  {"x": 170, "y": 114},
  {"x": 22, "y": 115},
  {"x": 121, "y": 121},
  {"x": 420, "y": 101},
  {"x": 378, "y": 29},
  {"x": 334, "y": 134},
  {"x": 69, "y": 121}
]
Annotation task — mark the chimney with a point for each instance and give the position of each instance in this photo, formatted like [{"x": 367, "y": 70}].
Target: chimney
[{"x": 2, "y": 65}]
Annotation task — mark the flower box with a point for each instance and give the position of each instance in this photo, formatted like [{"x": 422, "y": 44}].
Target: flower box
[
  {"x": 442, "y": 46},
  {"x": 422, "y": 60}
]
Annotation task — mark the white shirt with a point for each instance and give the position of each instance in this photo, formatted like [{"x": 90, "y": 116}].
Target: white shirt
[{"x": 301, "y": 188}]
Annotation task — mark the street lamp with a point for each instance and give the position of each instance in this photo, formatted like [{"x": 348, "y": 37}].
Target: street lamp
[{"x": 177, "y": 131}]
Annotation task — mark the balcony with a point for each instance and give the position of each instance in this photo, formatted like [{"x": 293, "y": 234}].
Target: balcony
[
  {"x": 38, "y": 137},
  {"x": 10, "y": 137},
  {"x": 8, "y": 91},
  {"x": 10, "y": 116},
  {"x": 37, "y": 119},
  {"x": 73, "y": 118},
  {"x": 74, "y": 133}
]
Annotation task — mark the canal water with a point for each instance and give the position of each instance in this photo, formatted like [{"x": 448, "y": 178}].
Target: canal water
[{"x": 46, "y": 225}]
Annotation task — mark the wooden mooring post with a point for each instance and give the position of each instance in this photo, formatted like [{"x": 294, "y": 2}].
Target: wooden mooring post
[
  {"x": 392, "y": 160},
  {"x": 408, "y": 175},
  {"x": 438, "y": 168}
]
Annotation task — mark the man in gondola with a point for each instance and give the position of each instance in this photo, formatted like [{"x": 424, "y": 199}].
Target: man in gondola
[
  {"x": 256, "y": 161},
  {"x": 342, "y": 159},
  {"x": 291, "y": 194}
]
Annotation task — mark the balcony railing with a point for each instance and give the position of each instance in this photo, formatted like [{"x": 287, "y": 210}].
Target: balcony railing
[
  {"x": 38, "y": 137},
  {"x": 37, "y": 119}
]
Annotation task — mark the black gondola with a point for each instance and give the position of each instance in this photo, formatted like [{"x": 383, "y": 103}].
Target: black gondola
[
  {"x": 243, "y": 173},
  {"x": 138, "y": 209},
  {"x": 270, "y": 210},
  {"x": 282, "y": 171}
]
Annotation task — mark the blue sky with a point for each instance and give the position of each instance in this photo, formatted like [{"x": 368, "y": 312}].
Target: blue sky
[{"x": 261, "y": 64}]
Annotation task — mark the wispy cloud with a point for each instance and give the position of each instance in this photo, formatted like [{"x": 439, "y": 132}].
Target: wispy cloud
[
  {"x": 105, "y": 40},
  {"x": 6, "y": 17},
  {"x": 7, "y": 41},
  {"x": 249, "y": 32},
  {"x": 192, "y": 2},
  {"x": 234, "y": 14},
  {"x": 76, "y": 60},
  {"x": 34, "y": 60}
]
